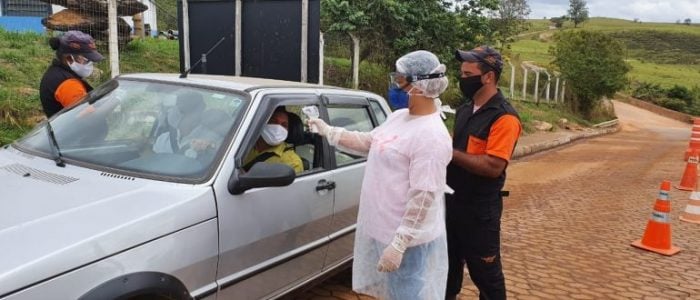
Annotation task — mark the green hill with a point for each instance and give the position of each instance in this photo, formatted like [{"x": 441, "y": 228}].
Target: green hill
[{"x": 662, "y": 53}]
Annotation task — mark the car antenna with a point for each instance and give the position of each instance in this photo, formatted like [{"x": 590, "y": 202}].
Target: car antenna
[{"x": 186, "y": 72}]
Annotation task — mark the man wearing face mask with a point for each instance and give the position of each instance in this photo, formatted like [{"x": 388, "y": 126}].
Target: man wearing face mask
[
  {"x": 63, "y": 82},
  {"x": 185, "y": 133},
  {"x": 485, "y": 133},
  {"x": 271, "y": 148}
]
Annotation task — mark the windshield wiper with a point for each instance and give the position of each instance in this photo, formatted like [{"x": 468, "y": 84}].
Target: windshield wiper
[{"x": 54, "y": 145}]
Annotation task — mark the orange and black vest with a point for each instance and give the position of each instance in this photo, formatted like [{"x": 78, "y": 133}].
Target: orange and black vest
[
  {"x": 54, "y": 76},
  {"x": 470, "y": 189}
]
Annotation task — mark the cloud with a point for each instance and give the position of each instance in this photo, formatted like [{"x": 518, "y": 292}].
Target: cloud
[{"x": 645, "y": 10}]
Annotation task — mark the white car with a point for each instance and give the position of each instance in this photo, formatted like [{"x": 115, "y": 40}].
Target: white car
[{"x": 110, "y": 199}]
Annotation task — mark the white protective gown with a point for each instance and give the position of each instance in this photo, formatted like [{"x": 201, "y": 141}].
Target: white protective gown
[{"x": 401, "y": 202}]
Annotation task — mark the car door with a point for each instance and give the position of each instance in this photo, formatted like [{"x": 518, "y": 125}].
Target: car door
[
  {"x": 274, "y": 238},
  {"x": 352, "y": 112}
]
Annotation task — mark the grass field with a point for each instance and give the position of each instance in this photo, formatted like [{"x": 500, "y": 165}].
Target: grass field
[
  {"x": 661, "y": 53},
  {"x": 612, "y": 25}
]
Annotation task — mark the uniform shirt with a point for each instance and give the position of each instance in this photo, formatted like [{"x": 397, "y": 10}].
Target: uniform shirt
[
  {"x": 282, "y": 156},
  {"x": 503, "y": 135},
  {"x": 492, "y": 130},
  {"x": 60, "y": 87}
]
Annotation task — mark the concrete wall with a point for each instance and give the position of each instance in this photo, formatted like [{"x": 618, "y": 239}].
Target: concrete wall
[{"x": 683, "y": 117}]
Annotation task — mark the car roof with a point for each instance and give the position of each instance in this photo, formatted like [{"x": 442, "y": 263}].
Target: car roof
[{"x": 222, "y": 81}]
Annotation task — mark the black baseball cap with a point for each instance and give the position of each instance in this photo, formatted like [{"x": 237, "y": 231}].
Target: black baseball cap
[
  {"x": 482, "y": 54},
  {"x": 78, "y": 42}
]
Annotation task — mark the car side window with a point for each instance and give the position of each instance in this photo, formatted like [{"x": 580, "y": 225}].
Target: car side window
[
  {"x": 378, "y": 111},
  {"x": 300, "y": 149},
  {"x": 353, "y": 118}
]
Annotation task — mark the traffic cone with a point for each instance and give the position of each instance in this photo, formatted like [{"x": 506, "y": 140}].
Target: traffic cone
[
  {"x": 694, "y": 143},
  {"x": 689, "y": 180},
  {"x": 657, "y": 236},
  {"x": 692, "y": 210}
]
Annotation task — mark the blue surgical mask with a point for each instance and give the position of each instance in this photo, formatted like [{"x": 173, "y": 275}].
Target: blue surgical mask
[{"x": 398, "y": 98}]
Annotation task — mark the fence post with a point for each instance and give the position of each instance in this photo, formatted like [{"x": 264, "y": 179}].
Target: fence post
[
  {"x": 237, "y": 54},
  {"x": 304, "y": 38},
  {"x": 524, "y": 82},
  {"x": 321, "y": 44},
  {"x": 512, "y": 80},
  {"x": 113, "y": 38},
  {"x": 537, "y": 85},
  {"x": 184, "y": 34},
  {"x": 549, "y": 82},
  {"x": 355, "y": 61},
  {"x": 563, "y": 90},
  {"x": 556, "y": 90}
]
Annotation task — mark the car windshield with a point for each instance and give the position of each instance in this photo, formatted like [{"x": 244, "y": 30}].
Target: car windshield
[{"x": 143, "y": 127}]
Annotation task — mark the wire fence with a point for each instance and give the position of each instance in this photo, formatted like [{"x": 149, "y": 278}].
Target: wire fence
[{"x": 134, "y": 18}]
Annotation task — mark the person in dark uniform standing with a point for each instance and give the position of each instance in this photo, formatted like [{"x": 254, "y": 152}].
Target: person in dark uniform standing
[
  {"x": 63, "y": 83},
  {"x": 485, "y": 133}
]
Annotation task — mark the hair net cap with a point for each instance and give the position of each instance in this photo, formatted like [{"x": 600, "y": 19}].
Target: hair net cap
[{"x": 423, "y": 62}]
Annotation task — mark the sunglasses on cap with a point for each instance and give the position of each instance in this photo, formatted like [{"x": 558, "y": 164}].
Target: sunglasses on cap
[{"x": 396, "y": 79}]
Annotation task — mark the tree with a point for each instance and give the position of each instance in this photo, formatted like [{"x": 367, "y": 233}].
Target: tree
[
  {"x": 687, "y": 21},
  {"x": 558, "y": 22},
  {"x": 593, "y": 65},
  {"x": 347, "y": 18},
  {"x": 393, "y": 28},
  {"x": 509, "y": 20},
  {"x": 578, "y": 11}
]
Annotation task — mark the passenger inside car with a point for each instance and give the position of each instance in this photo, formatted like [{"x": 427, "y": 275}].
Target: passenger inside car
[
  {"x": 272, "y": 147},
  {"x": 186, "y": 131}
]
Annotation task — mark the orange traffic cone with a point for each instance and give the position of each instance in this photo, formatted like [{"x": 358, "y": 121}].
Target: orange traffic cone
[
  {"x": 694, "y": 143},
  {"x": 692, "y": 210},
  {"x": 690, "y": 175},
  {"x": 657, "y": 236}
]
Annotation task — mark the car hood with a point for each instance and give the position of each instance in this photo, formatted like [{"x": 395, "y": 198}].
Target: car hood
[{"x": 54, "y": 219}]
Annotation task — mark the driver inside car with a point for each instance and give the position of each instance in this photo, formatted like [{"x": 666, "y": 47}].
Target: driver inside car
[
  {"x": 186, "y": 134},
  {"x": 271, "y": 146}
]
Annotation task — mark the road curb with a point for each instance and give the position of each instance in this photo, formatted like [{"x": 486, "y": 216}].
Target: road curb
[{"x": 525, "y": 150}]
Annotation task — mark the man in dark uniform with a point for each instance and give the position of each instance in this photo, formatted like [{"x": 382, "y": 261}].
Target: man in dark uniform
[{"x": 485, "y": 133}]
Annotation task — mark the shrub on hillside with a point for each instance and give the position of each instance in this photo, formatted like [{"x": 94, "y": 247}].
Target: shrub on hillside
[
  {"x": 593, "y": 64},
  {"x": 671, "y": 103},
  {"x": 647, "y": 91},
  {"x": 682, "y": 93}
]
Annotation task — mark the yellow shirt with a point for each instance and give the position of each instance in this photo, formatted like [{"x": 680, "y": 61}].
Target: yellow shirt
[{"x": 288, "y": 157}]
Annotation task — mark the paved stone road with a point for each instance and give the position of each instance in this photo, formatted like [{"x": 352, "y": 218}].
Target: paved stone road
[{"x": 573, "y": 212}]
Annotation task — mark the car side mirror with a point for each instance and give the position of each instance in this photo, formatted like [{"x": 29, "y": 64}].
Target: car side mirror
[{"x": 261, "y": 174}]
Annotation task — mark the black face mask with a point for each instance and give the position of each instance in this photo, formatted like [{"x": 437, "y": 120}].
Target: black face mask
[{"x": 470, "y": 85}]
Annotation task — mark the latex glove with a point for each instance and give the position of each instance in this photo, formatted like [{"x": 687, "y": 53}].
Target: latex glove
[
  {"x": 390, "y": 260},
  {"x": 323, "y": 128}
]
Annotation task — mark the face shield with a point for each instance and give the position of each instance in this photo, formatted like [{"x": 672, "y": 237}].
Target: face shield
[{"x": 399, "y": 80}]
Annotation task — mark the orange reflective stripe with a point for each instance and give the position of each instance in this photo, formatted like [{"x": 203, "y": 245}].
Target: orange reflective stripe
[
  {"x": 69, "y": 92},
  {"x": 503, "y": 136}
]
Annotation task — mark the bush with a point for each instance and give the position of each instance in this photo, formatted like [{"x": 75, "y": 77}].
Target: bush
[
  {"x": 682, "y": 93},
  {"x": 647, "y": 91},
  {"x": 593, "y": 64},
  {"x": 671, "y": 103}
]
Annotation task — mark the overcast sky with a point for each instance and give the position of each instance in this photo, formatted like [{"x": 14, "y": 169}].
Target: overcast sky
[{"x": 645, "y": 10}]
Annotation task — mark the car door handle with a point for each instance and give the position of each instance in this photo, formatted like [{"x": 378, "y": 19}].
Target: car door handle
[{"x": 325, "y": 185}]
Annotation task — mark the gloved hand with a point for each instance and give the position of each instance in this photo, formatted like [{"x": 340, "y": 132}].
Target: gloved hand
[
  {"x": 390, "y": 260},
  {"x": 323, "y": 128}
]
